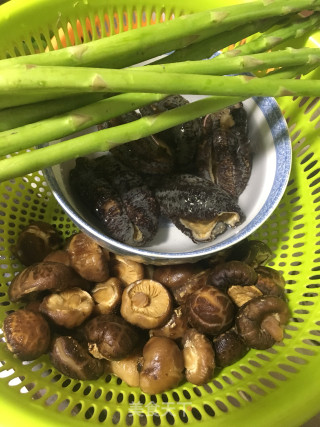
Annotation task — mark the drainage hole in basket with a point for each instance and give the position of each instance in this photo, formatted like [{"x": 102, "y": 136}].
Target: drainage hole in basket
[
  {"x": 183, "y": 416},
  {"x": 76, "y": 387},
  {"x": 209, "y": 410},
  {"x": 256, "y": 389},
  {"x": 89, "y": 413},
  {"x": 16, "y": 381},
  {"x": 66, "y": 383},
  {"x": 245, "y": 396},
  {"x": 6, "y": 373},
  {"x": 109, "y": 396},
  {"x": 255, "y": 363},
  {"x": 103, "y": 415},
  {"x": 278, "y": 376},
  {"x": 164, "y": 397},
  {"x": 297, "y": 360},
  {"x": 87, "y": 390},
  {"x": 221, "y": 406},
  {"x": 37, "y": 367},
  {"x": 51, "y": 400},
  {"x": 234, "y": 401},
  {"x": 98, "y": 393},
  {"x": 170, "y": 418},
  {"x": 76, "y": 409},
  {"x": 63, "y": 405},
  {"x": 266, "y": 382},
  {"x": 39, "y": 394},
  {"x": 311, "y": 342},
  {"x": 305, "y": 351},
  {"x": 197, "y": 392},
  {"x": 218, "y": 384},
  {"x": 207, "y": 388},
  {"x": 186, "y": 394},
  {"x": 263, "y": 357},
  {"x": 46, "y": 373},
  {"x": 156, "y": 419},
  {"x": 176, "y": 397},
  {"x": 196, "y": 413},
  {"x": 56, "y": 378},
  {"x": 120, "y": 397},
  {"x": 288, "y": 368}
]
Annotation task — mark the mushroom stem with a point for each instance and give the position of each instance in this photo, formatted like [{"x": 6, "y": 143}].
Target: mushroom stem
[
  {"x": 140, "y": 300},
  {"x": 272, "y": 325}
]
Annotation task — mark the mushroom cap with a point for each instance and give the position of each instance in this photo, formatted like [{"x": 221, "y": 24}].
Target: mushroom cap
[
  {"x": 210, "y": 311},
  {"x": 44, "y": 276},
  {"x": 232, "y": 273},
  {"x": 69, "y": 308},
  {"x": 88, "y": 258},
  {"x": 175, "y": 327},
  {"x": 194, "y": 282},
  {"x": 27, "y": 334},
  {"x": 107, "y": 296},
  {"x": 199, "y": 358},
  {"x": 173, "y": 276},
  {"x": 72, "y": 359},
  {"x": 60, "y": 255},
  {"x": 251, "y": 318},
  {"x": 110, "y": 337},
  {"x": 270, "y": 282},
  {"x": 126, "y": 269},
  {"x": 128, "y": 368},
  {"x": 146, "y": 303},
  {"x": 251, "y": 252},
  {"x": 162, "y": 365},
  {"x": 36, "y": 241},
  {"x": 229, "y": 347}
]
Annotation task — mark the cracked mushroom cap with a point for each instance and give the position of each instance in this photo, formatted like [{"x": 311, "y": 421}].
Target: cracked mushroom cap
[
  {"x": 270, "y": 282},
  {"x": 72, "y": 359},
  {"x": 27, "y": 334},
  {"x": 44, "y": 276},
  {"x": 260, "y": 321},
  {"x": 88, "y": 258},
  {"x": 199, "y": 358},
  {"x": 146, "y": 303},
  {"x": 69, "y": 308},
  {"x": 110, "y": 337},
  {"x": 162, "y": 365},
  {"x": 210, "y": 311}
]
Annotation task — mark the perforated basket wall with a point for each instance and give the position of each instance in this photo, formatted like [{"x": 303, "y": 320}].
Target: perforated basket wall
[{"x": 279, "y": 386}]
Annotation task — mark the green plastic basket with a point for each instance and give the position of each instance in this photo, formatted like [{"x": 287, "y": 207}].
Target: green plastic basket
[{"x": 279, "y": 386}]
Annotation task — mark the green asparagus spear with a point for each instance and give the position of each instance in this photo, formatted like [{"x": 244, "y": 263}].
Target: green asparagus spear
[
  {"x": 48, "y": 80},
  {"x": 104, "y": 140},
  {"x": 63, "y": 125},
  {"x": 147, "y": 42},
  {"x": 240, "y": 64}
]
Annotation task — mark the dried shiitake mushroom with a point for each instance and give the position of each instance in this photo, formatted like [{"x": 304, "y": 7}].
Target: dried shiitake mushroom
[
  {"x": 251, "y": 252},
  {"x": 232, "y": 273},
  {"x": 27, "y": 334},
  {"x": 260, "y": 321},
  {"x": 210, "y": 311},
  {"x": 44, "y": 276},
  {"x": 146, "y": 303},
  {"x": 72, "y": 359},
  {"x": 36, "y": 241},
  {"x": 69, "y": 308},
  {"x": 175, "y": 327},
  {"x": 229, "y": 347},
  {"x": 88, "y": 258},
  {"x": 110, "y": 337},
  {"x": 107, "y": 296},
  {"x": 128, "y": 368},
  {"x": 125, "y": 269},
  {"x": 162, "y": 365},
  {"x": 270, "y": 282},
  {"x": 176, "y": 275},
  {"x": 60, "y": 255},
  {"x": 194, "y": 282},
  {"x": 198, "y": 355}
]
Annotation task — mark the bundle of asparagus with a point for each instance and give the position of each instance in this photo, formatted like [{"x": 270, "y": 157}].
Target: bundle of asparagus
[{"x": 51, "y": 95}]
